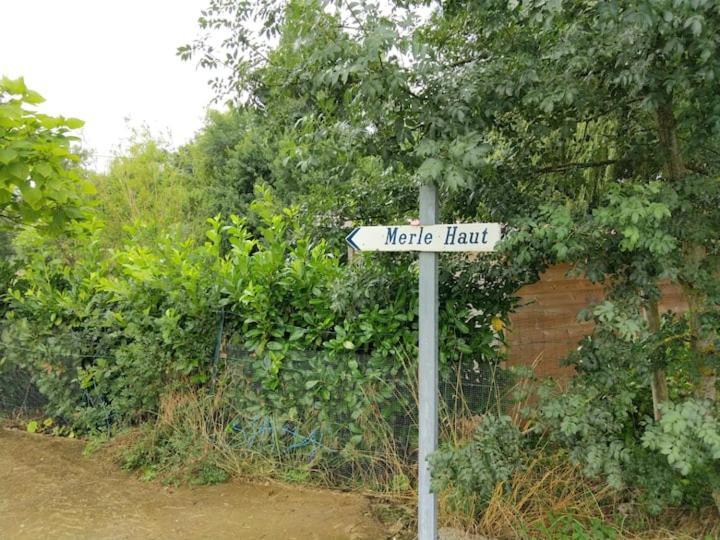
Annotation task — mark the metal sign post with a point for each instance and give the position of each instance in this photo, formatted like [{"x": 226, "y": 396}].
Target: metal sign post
[
  {"x": 428, "y": 371},
  {"x": 428, "y": 238}
]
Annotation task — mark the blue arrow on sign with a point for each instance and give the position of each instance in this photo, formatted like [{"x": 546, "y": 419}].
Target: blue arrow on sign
[{"x": 349, "y": 239}]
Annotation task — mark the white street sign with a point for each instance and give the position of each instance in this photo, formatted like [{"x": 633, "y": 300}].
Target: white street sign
[{"x": 435, "y": 238}]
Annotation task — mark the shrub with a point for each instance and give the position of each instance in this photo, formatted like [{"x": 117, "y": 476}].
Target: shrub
[
  {"x": 308, "y": 339},
  {"x": 605, "y": 421},
  {"x": 470, "y": 472}
]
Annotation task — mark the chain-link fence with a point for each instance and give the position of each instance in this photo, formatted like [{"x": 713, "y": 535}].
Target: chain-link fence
[
  {"x": 19, "y": 396},
  {"x": 318, "y": 412},
  {"x": 376, "y": 441}
]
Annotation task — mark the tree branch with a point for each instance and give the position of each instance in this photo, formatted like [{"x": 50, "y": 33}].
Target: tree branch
[
  {"x": 585, "y": 165},
  {"x": 464, "y": 61}
]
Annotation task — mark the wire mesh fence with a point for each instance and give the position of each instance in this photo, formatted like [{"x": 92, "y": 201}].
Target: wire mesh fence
[
  {"x": 18, "y": 393},
  {"x": 300, "y": 418}
]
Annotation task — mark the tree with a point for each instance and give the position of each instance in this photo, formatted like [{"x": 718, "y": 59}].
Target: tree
[
  {"x": 38, "y": 182},
  {"x": 614, "y": 104},
  {"x": 148, "y": 189},
  {"x": 591, "y": 128},
  {"x": 228, "y": 157}
]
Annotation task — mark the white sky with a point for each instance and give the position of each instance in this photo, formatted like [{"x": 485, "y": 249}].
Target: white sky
[{"x": 105, "y": 61}]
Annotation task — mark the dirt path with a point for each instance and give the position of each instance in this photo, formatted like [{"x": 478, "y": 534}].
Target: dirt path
[{"x": 49, "y": 490}]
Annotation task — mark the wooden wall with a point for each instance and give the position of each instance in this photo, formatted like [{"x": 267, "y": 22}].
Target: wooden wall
[{"x": 545, "y": 328}]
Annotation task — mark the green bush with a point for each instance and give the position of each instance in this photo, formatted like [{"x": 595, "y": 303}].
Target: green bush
[
  {"x": 688, "y": 437},
  {"x": 470, "y": 473},
  {"x": 605, "y": 420},
  {"x": 309, "y": 339}
]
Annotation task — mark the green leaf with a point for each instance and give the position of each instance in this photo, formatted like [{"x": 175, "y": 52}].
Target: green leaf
[
  {"x": 431, "y": 169},
  {"x": 74, "y": 123},
  {"x": 454, "y": 179},
  {"x": 7, "y": 155},
  {"x": 33, "y": 97},
  {"x": 32, "y": 195},
  {"x": 44, "y": 168},
  {"x": 297, "y": 333},
  {"x": 18, "y": 170},
  {"x": 14, "y": 86}
]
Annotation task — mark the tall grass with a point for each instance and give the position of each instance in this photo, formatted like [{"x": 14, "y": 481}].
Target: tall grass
[
  {"x": 199, "y": 431},
  {"x": 195, "y": 439}
]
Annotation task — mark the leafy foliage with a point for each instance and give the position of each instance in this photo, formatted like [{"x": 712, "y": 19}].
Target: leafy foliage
[
  {"x": 605, "y": 419},
  {"x": 310, "y": 339},
  {"x": 38, "y": 180},
  {"x": 148, "y": 191},
  {"x": 688, "y": 434},
  {"x": 591, "y": 128},
  {"x": 472, "y": 471},
  {"x": 227, "y": 158}
]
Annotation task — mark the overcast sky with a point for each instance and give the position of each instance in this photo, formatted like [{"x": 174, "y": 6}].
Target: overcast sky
[{"x": 107, "y": 61}]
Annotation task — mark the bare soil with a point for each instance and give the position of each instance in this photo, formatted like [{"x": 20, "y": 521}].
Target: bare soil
[{"x": 48, "y": 489}]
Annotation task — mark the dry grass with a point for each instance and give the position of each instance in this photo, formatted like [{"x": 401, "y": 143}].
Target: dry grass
[
  {"x": 680, "y": 524},
  {"x": 196, "y": 426},
  {"x": 548, "y": 498},
  {"x": 546, "y": 487}
]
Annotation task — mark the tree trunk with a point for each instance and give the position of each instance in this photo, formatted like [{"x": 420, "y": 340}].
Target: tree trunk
[
  {"x": 702, "y": 344},
  {"x": 675, "y": 170},
  {"x": 658, "y": 380}
]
